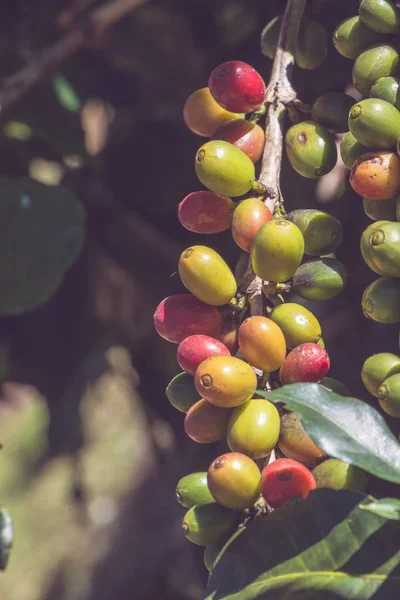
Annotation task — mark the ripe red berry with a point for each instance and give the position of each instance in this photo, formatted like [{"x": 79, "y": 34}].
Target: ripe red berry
[
  {"x": 237, "y": 87},
  {"x": 193, "y": 350},
  {"x": 179, "y": 316},
  {"x": 206, "y": 212},
  {"x": 284, "y": 479},
  {"x": 246, "y": 136},
  {"x": 305, "y": 363}
]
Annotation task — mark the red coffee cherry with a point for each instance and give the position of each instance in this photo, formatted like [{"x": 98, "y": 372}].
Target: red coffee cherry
[
  {"x": 193, "y": 350},
  {"x": 248, "y": 137},
  {"x": 206, "y": 212},
  {"x": 284, "y": 479},
  {"x": 237, "y": 87},
  {"x": 305, "y": 363}
]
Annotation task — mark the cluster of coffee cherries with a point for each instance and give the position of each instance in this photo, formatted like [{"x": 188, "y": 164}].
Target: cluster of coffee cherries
[
  {"x": 370, "y": 150},
  {"x": 225, "y": 354}
]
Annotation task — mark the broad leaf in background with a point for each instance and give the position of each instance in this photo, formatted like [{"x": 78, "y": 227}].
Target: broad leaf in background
[
  {"x": 41, "y": 235},
  {"x": 325, "y": 547},
  {"x": 6, "y": 537},
  {"x": 386, "y": 507},
  {"x": 343, "y": 427}
]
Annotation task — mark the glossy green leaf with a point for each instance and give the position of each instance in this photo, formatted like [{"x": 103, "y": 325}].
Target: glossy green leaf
[
  {"x": 343, "y": 427},
  {"x": 387, "y": 507},
  {"x": 326, "y": 547},
  {"x": 41, "y": 235},
  {"x": 6, "y": 538}
]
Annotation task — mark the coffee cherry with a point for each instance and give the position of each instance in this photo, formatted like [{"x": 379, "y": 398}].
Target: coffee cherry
[
  {"x": 380, "y": 248},
  {"x": 181, "y": 392},
  {"x": 305, "y": 363},
  {"x": 332, "y": 110},
  {"x": 206, "y": 423},
  {"x": 228, "y": 335},
  {"x": 389, "y": 395},
  {"x": 381, "y": 300},
  {"x": 376, "y": 175},
  {"x": 270, "y": 36},
  {"x": 295, "y": 443},
  {"x": 381, "y": 60},
  {"x": 312, "y": 45},
  {"x": 206, "y": 212},
  {"x": 320, "y": 279},
  {"x": 225, "y": 381},
  {"x": 205, "y": 524},
  {"x": 277, "y": 250},
  {"x": 237, "y": 87},
  {"x": 351, "y": 150},
  {"x": 322, "y": 232},
  {"x": 234, "y": 480},
  {"x": 375, "y": 123},
  {"x": 193, "y": 350},
  {"x": 285, "y": 479},
  {"x": 380, "y": 15},
  {"x": 253, "y": 428},
  {"x": 351, "y": 37},
  {"x": 311, "y": 149},
  {"x": 335, "y": 386},
  {"x": 203, "y": 115},
  {"x": 386, "y": 88},
  {"x": 224, "y": 169},
  {"x": 262, "y": 343},
  {"x": 179, "y": 316},
  {"x": 377, "y": 368},
  {"x": 193, "y": 489},
  {"x": 246, "y": 136},
  {"x": 338, "y": 475},
  {"x": 206, "y": 275},
  {"x": 249, "y": 216},
  {"x": 382, "y": 210},
  {"x": 298, "y": 324}
]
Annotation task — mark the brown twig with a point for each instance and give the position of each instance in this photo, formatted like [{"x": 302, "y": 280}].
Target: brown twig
[
  {"x": 280, "y": 95},
  {"x": 42, "y": 65}
]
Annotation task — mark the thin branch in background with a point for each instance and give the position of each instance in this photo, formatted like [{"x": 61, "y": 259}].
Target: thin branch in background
[{"x": 42, "y": 65}]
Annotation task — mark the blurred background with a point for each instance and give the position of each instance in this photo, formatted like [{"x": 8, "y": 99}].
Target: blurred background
[{"x": 91, "y": 448}]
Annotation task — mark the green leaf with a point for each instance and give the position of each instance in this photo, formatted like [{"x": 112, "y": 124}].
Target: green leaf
[
  {"x": 6, "y": 538},
  {"x": 343, "y": 427},
  {"x": 41, "y": 235},
  {"x": 326, "y": 547},
  {"x": 387, "y": 507}
]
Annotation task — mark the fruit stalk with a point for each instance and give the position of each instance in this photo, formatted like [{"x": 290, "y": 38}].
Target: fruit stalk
[{"x": 280, "y": 95}]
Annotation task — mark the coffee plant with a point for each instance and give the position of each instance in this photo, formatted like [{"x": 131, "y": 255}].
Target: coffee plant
[{"x": 284, "y": 512}]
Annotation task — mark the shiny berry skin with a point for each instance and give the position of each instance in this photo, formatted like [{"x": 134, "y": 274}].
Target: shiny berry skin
[
  {"x": 295, "y": 443},
  {"x": 285, "y": 479},
  {"x": 246, "y": 136},
  {"x": 376, "y": 175},
  {"x": 262, "y": 343},
  {"x": 305, "y": 363},
  {"x": 237, "y": 87},
  {"x": 225, "y": 381},
  {"x": 234, "y": 480},
  {"x": 206, "y": 423},
  {"x": 206, "y": 212},
  {"x": 203, "y": 116},
  {"x": 249, "y": 216},
  {"x": 253, "y": 428},
  {"x": 181, "y": 315},
  {"x": 193, "y": 350}
]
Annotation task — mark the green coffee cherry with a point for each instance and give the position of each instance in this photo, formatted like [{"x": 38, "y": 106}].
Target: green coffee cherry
[
  {"x": 224, "y": 169},
  {"x": 338, "y": 475},
  {"x": 234, "y": 480},
  {"x": 312, "y": 45},
  {"x": 380, "y": 248},
  {"x": 311, "y": 149},
  {"x": 389, "y": 396},
  {"x": 387, "y": 88},
  {"x": 351, "y": 150},
  {"x": 381, "y": 16},
  {"x": 320, "y": 279},
  {"x": 297, "y": 323},
  {"x": 381, "y": 300},
  {"x": 322, "y": 232},
  {"x": 380, "y": 210},
  {"x": 332, "y": 110},
  {"x": 377, "y": 368},
  {"x": 335, "y": 386},
  {"x": 381, "y": 60},
  {"x": 277, "y": 250},
  {"x": 181, "y": 392},
  {"x": 193, "y": 489},
  {"x": 206, "y": 524},
  {"x": 375, "y": 123},
  {"x": 351, "y": 37},
  {"x": 270, "y": 36},
  {"x": 253, "y": 428}
]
